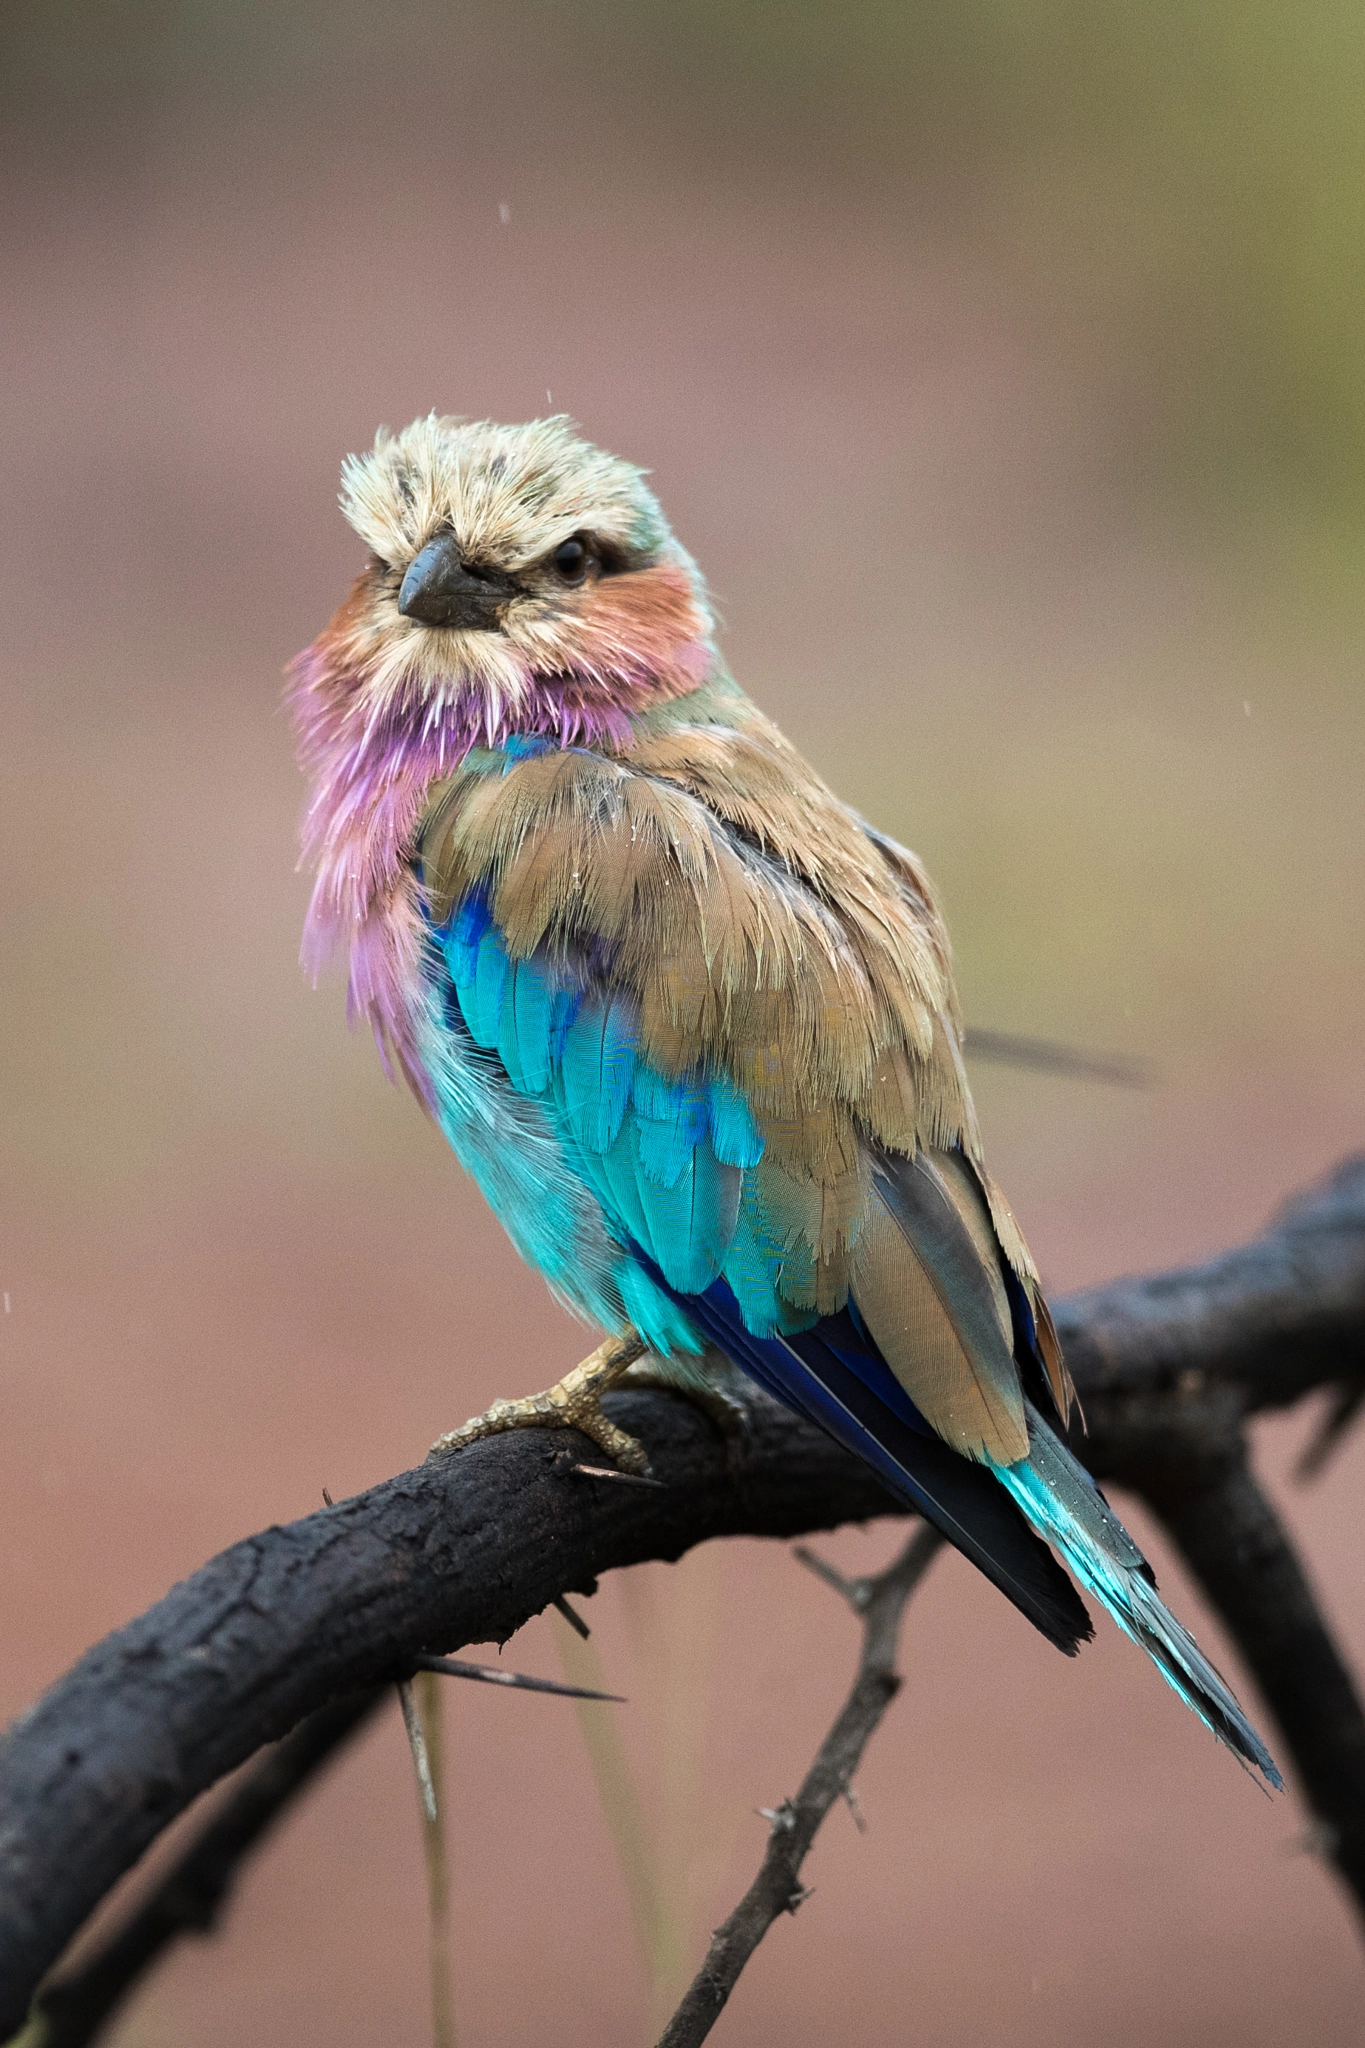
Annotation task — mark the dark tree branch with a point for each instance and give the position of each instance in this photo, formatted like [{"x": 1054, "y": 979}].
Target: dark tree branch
[
  {"x": 462, "y": 1550},
  {"x": 777, "y": 1888},
  {"x": 189, "y": 1895},
  {"x": 1260, "y": 1325},
  {"x": 466, "y": 1550},
  {"x": 1238, "y": 1549}
]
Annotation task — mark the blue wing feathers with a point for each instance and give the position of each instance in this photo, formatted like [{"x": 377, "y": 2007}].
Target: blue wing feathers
[
  {"x": 527, "y": 1020},
  {"x": 563, "y": 1010},
  {"x": 657, "y": 1100},
  {"x": 691, "y": 1223},
  {"x": 621, "y": 1180},
  {"x": 484, "y": 1011},
  {"x": 508, "y": 1045},
  {"x": 665, "y": 1149},
  {"x": 596, "y": 1067},
  {"x": 664, "y": 1154},
  {"x": 735, "y": 1136},
  {"x": 460, "y": 939},
  {"x": 672, "y": 1120},
  {"x": 752, "y": 1270},
  {"x": 762, "y": 1272}
]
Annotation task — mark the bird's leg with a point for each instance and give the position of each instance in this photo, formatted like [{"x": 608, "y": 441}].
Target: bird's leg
[{"x": 572, "y": 1404}]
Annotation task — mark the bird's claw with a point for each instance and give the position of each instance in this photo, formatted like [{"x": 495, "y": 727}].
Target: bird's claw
[{"x": 574, "y": 1403}]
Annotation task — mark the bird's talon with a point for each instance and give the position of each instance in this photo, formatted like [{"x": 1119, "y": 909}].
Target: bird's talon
[
  {"x": 624, "y": 1450},
  {"x": 573, "y": 1404}
]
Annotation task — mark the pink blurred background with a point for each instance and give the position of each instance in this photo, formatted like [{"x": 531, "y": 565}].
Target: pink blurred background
[{"x": 1005, "y": 381}]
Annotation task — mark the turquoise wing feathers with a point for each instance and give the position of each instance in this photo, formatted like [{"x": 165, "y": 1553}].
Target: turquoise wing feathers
[{"x": 664, "y": 1156}]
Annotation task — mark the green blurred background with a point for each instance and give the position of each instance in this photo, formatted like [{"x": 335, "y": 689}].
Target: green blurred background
[{"x": 1002, "y": 367}]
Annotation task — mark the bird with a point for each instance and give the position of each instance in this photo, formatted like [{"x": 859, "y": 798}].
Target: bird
[{"x": 685, "y": 1017}]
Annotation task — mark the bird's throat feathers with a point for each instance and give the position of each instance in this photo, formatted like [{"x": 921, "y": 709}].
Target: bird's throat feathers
[{"x": 380, "y": 716}]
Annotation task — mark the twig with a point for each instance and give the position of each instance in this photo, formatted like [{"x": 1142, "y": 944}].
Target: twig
[
  {"x": 1047, "y": 1056},
  {"x": 189, "y": 1895},
  {"x": 646, "y": 1880},
  {"x": 778, "y": 1888},
  {"x": 417, "y": 1743},
  {"x": 427, "y": 1695}
]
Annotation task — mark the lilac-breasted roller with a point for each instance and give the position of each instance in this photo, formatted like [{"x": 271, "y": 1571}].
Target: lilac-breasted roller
[{"x": 686, "y": 1018}]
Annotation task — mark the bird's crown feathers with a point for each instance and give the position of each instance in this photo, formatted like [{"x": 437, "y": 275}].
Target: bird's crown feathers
[{"x": 509, "y": 494}]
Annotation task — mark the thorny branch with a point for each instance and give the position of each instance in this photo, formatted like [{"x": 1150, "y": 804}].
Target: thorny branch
[
  {"x": 777, "y": 1889},
  {"x": 1169, "y": 1368}
]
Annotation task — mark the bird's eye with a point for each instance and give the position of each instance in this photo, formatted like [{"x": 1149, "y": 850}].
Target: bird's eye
[{"x": 571, "y": 560}]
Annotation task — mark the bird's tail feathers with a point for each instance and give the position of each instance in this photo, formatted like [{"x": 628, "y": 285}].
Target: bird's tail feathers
[{"x": 1061, "y": 1501}]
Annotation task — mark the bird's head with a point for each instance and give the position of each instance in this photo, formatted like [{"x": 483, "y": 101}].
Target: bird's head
[{"x": 519, "y": 579}]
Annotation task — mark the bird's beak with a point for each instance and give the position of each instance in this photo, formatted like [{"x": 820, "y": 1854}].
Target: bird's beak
[{"x": 441, "y": 590}]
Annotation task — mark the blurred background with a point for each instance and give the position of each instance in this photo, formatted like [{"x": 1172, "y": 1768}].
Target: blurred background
[{"x": 1002, "y": 365}]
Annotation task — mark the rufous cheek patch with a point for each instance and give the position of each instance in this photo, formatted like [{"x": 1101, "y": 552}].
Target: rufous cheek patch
[{"x": 645, "y": 622}]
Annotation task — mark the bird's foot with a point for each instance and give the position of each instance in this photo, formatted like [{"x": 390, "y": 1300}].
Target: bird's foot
[{"x": 573, "y": 1404}]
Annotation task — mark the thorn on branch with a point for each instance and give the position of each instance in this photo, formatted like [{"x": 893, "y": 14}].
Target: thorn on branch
[
  {"x": 575, "y": 1621},
  {"x": 622, "y": 1478},
  {"x": 1342, "y": 1409},
  {"x": 489, "y": 1674},
  {"x": 781, "y": 1819}
]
